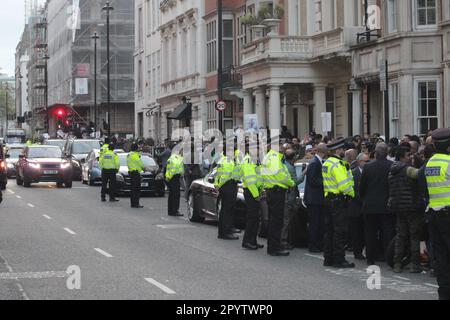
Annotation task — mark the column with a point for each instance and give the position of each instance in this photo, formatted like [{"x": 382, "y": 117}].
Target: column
[
  {"x": 275, "y": 108},
  {"x": 248, "y": 101},
  {"x": 319, "y": 106},
  {"x": 260, "y": 106},
  {"x": 357, "y": 112}
]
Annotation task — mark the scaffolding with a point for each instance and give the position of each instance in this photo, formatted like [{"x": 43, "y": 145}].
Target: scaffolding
[{"x": 71, "y": 23}]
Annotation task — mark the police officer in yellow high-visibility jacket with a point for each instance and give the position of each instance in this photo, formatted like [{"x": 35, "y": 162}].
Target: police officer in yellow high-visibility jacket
[
  {"x": 437, "y": 174},
  {"x": 251, "y": 182},
  {"x": 226, "y": 181},
  {"x": 105, "y": 146},
  {"x": 276, "y": 182},
  {"x": 135, "y": 168},
  {"x": 174, "y": 171},
  {"x": 338, "y": 187},
  {"x": 109, "y": 164}
]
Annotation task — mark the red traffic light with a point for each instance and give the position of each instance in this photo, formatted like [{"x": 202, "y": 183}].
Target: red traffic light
[{"x": 60, "y": 113}]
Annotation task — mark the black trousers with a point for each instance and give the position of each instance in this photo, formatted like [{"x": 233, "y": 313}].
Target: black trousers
[
  {"x": 315, "y": 227},
  {"x": 440, "y": 228},
  {"x": 409, "y": 226},
  {"x": 174, "y": 195},
  {"x": 135, "y": 188},
  {"x": 356, "y": 230},
  {"x": 253, "y": 218},
  {"x": 109, "y": 180},
  {"x": 336, "y": 228},
  {"x": 228, "y": 195},
  {"x": 375, "y": 224},
  {"x": 276, "y": 198}
]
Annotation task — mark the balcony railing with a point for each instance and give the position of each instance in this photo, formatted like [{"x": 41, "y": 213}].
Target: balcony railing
[
  {"x": 368, "y": 35},
  {"x": 301, "y": 47},
  {"x": 231, "y": 78}
]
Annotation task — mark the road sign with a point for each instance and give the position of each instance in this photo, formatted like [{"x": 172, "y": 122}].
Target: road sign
[{"x": 221, "y": 106}]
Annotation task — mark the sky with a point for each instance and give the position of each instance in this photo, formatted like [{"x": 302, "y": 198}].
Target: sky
[{"x": 12, "y": 19}]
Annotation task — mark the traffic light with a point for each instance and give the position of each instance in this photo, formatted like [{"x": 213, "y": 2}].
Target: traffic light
[{"x": 60, "y": 113}]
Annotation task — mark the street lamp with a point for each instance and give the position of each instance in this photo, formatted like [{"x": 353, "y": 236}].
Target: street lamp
[
  {"x": 95, "y": 37},
  {"x": 108, "y": 8},
  {"x": 220, "y": 60},
  {"x": 46, "y": 57}
]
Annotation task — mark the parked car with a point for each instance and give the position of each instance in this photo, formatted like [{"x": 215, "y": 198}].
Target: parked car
[
  {"x": 91, "y": 174},
  {"x": 75, "y": 150},
  {"x": 204, "y": 202},
  {"x": 13, "y": 151},
  {"x": 152, "y": 179},
  {"x": 43, "y": 164}
]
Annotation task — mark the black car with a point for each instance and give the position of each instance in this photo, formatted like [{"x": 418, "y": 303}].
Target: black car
[
  {"x": 77, "y": 150},
  {"x": 3, "y": 169},
  {"x": 152, "y": 179},
  {"x": 204, "y": 202}
]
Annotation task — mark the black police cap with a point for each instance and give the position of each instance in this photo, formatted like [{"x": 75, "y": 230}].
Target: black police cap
[
  {"x": 441, "y": 135},
  {"x": 336, "y": 144}
]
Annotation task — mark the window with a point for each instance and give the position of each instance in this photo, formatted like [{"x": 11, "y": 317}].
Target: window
[
  {"x": 394, "y": 107},
  {"x": 391, "y": 16},
  {"x": 425, "y": 12},
  {"x": 329, "y": 93},
  {"x": 241, "y": 30},
  {"x": 140, "y": 28},
  {"x": 140, "y": 80},
  {"x": 211, "y": 46},
  {"x": 140, "y": 125},
  {"x": 228, "y": 43},
  {"x": 211, "y": 114},
  {"x": 318, "y": 15},
  {"x": 427, "y": 106}
]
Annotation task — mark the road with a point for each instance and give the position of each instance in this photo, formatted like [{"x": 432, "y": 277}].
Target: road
[{"x": 127, "y": 254}]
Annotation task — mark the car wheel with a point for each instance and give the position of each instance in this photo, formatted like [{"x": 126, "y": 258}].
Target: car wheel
[
  {"x": 68, "y": 184},
  {"x": 19, "y": 181},
  {"x": 26, "y": 183},
  {"x": 90, "y": 181},
  {"x": 193, "y": 213}
]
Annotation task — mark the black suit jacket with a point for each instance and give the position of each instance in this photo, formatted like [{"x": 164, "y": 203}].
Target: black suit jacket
[
  {"x": 314, "y": 194},
  {"x": 374, "y": 187},
  {"x": 356, "y": 203}
]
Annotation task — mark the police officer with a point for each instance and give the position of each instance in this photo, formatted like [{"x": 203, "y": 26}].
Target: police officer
[
  {"x": 174, "y": 171},
  {"x": 276, "y": 182},
  {"x": 338, "y": 190},
  {"x": 226, "y": 181},
  {"x": 135, "y": 167},
  {"x": 109, "y": 164},
  {"x": 437, "y": 174},
  {"x": 249, "y": 173}
]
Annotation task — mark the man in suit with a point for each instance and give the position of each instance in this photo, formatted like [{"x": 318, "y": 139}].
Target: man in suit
[
  {"x": 374, "y": 192},
  {"x": 356, "y": 221},
  {"x": 314, "y": 197}
]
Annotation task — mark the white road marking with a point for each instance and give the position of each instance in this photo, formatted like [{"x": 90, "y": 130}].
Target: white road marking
[
  {"x": 10, "y": 191},
  {"x": 47, "y": 217},
  {"x": 431, "y": 285},
  {"x": 106, "y": 254},
  {"x": 402, "y": 278},
  {"x": 18, "y": 197},
  {"x": 69, "y": 231},
  {"x": 164, "y": 218},
  {"x": 160, "y": 286},
  {"x": 314, "y": 256},
  {"x": 19, "y": 286},
  {"x": 175, "y": 226},
  {"x": 31, "y": 205}
]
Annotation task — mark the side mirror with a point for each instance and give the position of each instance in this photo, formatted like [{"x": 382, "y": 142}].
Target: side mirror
[
  {"x": 21, "y": 156},
  {"x": 211, "y": 179},
  {"x": 7, "y": 156}
]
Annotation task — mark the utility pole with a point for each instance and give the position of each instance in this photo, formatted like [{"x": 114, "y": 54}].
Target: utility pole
[
  {"x": 47, "y": 126},
  {"x": 95, "y": 37},
  {"x": 108, "y": 8},
  {"x": 220, "y": 59}
]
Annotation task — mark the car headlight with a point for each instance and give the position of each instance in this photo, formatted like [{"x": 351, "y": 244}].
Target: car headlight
[
  {"x": 10, "y": 166},
  {"x": 120, "y": 178},
  {"x": 160, "y": 176},
  {"x": 34, "y": 165},
  {"x": 65, "y": 165}
]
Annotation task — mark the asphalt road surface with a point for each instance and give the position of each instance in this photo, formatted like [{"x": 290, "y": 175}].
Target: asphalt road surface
[{"x": 49, "y": 237}]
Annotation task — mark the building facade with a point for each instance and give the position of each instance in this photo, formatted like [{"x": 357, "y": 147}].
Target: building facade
[
  {"x": 23, "y": 110},
  {"x": 71, "y": 72},
  {"x": 413, "y": 41}
]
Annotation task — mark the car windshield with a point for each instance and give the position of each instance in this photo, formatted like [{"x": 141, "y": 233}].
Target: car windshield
[
  {"x": 43, "y": 152},
  {"x": 58, "y": 143},
  {"x": 82, "y": 147},
  {"x": 148, "y": 162},
  {"x": 14, "y": 153}
]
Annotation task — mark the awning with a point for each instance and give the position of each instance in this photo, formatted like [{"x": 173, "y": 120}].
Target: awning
[{"x": 183, "y": 111}]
